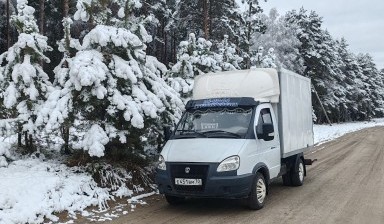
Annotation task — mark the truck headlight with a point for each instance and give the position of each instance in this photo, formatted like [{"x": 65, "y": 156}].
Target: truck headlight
[
  {"x": 229, "y": 164},
  {"x": 161, "y": 165}
]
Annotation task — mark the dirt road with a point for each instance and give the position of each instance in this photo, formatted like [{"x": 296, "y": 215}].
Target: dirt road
[{"x": 345, "y": 185}]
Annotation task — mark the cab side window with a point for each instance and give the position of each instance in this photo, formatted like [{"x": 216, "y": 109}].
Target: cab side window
[{"x": 265, "y": 118}]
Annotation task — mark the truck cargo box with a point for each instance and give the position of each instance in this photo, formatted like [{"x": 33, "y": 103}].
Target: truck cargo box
[{"x": 295, "y": 113}]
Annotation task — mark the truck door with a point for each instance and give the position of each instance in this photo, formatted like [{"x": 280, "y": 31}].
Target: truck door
[{"x": 268, "y": 145}]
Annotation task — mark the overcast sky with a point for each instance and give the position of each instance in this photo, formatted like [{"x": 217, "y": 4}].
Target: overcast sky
[{"x": 361, "y": 23}]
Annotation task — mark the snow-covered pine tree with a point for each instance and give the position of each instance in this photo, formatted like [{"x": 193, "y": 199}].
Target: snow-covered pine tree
[
  {"x": 250, "y": 25},
  {"x": 257, "y": 58},
  {"x": 159, "y": 14},
  {"x": 225, "y": 18},
  {"x": 194, "y": 57},
  {"x": 112, "y": 88},
  {"x": 281, "y": 36},
  {"x": 269, "y": 60},
  {"x": 3, "y": 27},
  {"x": 227, "y": 56},
  {"x": 373, "y": 104},
  {"x": 187, "y": 18},
  {"x": 24, "y": 81},
  {"x": 321, "y": 60},
  {"x": 58, "y": 112},
  {"x": 210, "y": 19}
]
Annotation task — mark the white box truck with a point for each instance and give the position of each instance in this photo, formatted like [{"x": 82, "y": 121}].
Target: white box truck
[{"x": 241, "y": 130}]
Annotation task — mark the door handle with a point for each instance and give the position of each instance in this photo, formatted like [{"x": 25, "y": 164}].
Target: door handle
[{"x": 274, "y": 147}]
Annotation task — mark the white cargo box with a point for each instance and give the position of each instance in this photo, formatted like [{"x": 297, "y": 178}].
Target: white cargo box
[{"x": 294, "y": 113}]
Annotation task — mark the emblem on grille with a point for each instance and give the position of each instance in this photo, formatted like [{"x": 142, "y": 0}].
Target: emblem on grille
[{"x": 187, "y": 169}]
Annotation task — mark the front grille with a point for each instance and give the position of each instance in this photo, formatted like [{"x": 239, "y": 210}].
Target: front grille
[{"x": 195, "y": 172}]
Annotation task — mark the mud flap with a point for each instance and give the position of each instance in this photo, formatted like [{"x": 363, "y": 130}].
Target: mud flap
[{"x": 309, "y": 162}]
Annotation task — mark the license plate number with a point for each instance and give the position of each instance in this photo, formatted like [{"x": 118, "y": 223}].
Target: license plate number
[{"x": 188, "y": 182}]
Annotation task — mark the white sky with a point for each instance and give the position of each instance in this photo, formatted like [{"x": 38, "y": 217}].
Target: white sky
[{"x": 361, "y": 23}]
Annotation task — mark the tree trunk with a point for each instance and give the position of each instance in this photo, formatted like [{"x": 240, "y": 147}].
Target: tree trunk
[
  {"x": 19, "y": 136},
  {"x": 174, "y": 57},
  {"x": 165, "y": 46},
  {"x": 30, "y": 144},
  {"x": 206, "y": 19},
  {"x": 66, "y": 139},
  {"x": 42, "y": 8},
  {"x": 248, "y": 46},
  {"x": 8, "y": 26},
  {"x": 65, "y": 8},
  {"x": 26, "y": 139}
]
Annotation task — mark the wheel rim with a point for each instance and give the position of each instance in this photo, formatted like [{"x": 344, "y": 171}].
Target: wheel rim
[
  {"x": 261, "y": 191},
  {"x": 301, "y": 172}
]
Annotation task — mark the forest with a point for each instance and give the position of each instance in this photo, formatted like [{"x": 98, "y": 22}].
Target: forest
[{"x": 104, "y": 77}]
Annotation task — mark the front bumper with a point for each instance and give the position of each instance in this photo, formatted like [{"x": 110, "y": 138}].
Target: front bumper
[{"x": 215, "y": 185}]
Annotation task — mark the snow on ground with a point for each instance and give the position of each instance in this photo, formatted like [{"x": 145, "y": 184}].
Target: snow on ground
[
  {"x": 33, "y": 190},
  {"x": 325, "y": 133}
]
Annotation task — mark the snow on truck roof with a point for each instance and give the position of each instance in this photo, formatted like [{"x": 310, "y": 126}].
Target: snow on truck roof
[{"x": 262, "y": 84}]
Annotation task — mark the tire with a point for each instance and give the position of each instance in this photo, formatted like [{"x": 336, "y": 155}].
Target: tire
[
  {"x": 297, "y": 174},
  {"x": 256, "y": 199},
  {"x": 174, "y": 200}
]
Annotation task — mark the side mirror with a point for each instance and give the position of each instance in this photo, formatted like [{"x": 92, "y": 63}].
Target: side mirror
[
  {"x": 265, "y": 132},
  {"x": 167, "y": 132}
]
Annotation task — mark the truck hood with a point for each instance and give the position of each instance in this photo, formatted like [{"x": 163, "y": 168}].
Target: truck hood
[{"x": 212, "y": 150}]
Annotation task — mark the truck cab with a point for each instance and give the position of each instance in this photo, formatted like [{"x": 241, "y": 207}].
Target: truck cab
[{"x": 228, "y": 146}]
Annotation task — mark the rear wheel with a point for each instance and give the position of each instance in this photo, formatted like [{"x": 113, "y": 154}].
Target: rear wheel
[
  {"x": 256, "y": 199},
  {"x": 174, "y": 200},
  {"x": 297, "y": 176}
]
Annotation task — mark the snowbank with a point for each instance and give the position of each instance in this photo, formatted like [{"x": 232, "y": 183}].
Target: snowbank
[
  {"x": 4, "y": 153},
  {"x": 32, "y": 189},
  {"x": 325, "y": 133}
]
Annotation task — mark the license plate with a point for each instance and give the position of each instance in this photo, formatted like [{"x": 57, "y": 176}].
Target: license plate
[{"x": 188, "y": 182}]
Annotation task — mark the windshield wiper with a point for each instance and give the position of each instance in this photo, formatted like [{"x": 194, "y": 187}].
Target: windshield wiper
[
  {"x": 224, "y": 132},
  {"x": 191, "y": 132}
]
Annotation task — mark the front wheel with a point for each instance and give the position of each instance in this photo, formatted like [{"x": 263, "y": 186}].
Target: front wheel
[{"x": 256, "y": 199}]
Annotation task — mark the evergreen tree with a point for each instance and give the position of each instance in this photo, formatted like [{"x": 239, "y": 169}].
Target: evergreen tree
[
  {"x": 24, "y": 81},
  {"x": 225, "y": 18},
  {"x": 194, "y": 58},
  {"x": 111, "y": 87},
  {"x": 251, "y": 24},
  {"x": 281, "y": 36},
  {"x": 373, "y": 104},
  {"x": 227, "y": 57},
  {"x": 320, "y": 60},
  {"x": 159, "y": 14},
  {"x": 211, "y": 19},
  {"x": 354, "y": 86}
]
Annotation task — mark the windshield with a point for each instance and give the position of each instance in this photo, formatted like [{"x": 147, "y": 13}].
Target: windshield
[{"x": 214, "y": 123}]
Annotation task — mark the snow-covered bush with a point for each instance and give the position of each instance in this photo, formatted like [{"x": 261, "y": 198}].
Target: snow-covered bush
[{"x": 122, "y": 182}]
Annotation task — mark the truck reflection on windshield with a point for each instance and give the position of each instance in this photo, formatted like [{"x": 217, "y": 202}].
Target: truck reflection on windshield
[{"x": 214, "y": 123}]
